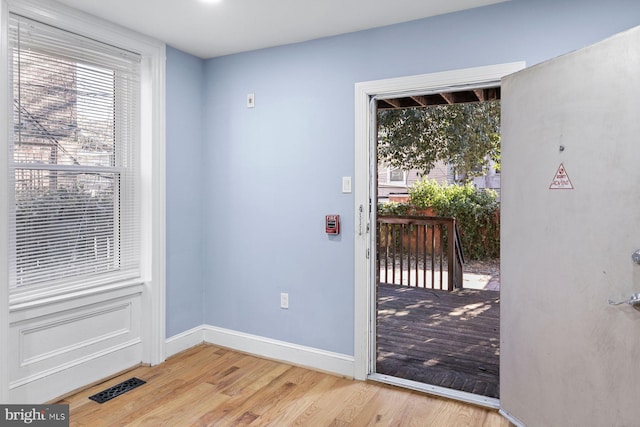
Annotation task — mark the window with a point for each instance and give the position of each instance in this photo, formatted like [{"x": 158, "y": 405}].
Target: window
[
  {"x": 396, "y": 176},
  {"x": 73, "y": 161}
]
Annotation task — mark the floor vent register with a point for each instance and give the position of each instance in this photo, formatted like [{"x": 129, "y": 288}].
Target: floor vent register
[{"x": 117, "y": 390}]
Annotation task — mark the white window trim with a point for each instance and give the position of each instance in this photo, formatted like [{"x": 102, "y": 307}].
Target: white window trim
[
  {"x": 391, "y": 183},
  {"x": 152, "y": 167},
  {"x": 4, "y": 186},
  {"x": 365, "y": 94}
]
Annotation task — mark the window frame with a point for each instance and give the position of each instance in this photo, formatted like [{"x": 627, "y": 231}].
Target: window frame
[
  {"x": 123, "y": 165},
  {"x": 393, "y": 182},
  {"x": 151, "y": 175}
]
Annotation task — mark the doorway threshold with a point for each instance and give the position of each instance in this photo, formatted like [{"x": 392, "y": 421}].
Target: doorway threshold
[{"x": 462, "y": 396}]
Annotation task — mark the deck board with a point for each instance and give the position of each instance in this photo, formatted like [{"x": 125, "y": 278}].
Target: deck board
[{"x": 449, "y": 339}]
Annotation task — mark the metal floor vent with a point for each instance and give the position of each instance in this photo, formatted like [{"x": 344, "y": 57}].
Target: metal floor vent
[{"x": 117, "y": 390}]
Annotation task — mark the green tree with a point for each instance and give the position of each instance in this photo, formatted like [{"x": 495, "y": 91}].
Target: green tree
[{"x": 462, "y": 135}]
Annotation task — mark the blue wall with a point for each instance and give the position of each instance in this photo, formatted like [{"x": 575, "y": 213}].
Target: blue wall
[
  {"x": 184, "y": 124},
  {"x": 271, "y": 173}
]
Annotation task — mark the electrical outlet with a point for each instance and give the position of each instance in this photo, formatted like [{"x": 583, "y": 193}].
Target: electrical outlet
[{"x": 284, "y": 300}]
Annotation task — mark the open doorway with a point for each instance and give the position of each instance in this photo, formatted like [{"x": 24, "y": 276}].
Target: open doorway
[
  {"x": 437, "y": 239},
  {"x": 365, "y": 216}
]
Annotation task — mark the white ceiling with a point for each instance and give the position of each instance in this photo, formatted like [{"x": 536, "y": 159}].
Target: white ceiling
[{"x": 229, "y": 26}]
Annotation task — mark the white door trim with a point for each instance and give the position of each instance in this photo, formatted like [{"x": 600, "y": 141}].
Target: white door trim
[{"x": 363, "y": 239}]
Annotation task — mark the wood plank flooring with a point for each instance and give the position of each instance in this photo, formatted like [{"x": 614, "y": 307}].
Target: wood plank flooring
[
  {"x": 212, "y": 386},
  {"x": 449, "y": 339}
]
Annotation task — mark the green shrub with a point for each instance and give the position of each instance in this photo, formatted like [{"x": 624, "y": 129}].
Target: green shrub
[
  {"x": 393, "y": 208},
  {"x": 475, "y": 210}
]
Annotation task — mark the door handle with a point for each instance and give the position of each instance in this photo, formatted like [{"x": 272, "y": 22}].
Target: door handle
[{"x": 633, "y": 301}]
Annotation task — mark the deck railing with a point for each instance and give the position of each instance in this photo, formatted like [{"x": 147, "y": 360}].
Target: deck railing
[{"x": 419, "y": 251}]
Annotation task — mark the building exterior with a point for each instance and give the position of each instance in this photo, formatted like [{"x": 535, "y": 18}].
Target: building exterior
[{"x": 396, "y": 182}]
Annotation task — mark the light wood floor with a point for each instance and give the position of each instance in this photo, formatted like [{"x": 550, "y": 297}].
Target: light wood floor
[{"x": 213, "y": 386}]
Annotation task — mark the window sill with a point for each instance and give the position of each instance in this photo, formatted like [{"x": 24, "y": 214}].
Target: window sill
[
  {"x": 393, "y": 185},
  {"x": 25, "y": 300}
]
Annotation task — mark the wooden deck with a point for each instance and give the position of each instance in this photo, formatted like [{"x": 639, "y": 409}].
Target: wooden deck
[{"x": 449, "y": 339}]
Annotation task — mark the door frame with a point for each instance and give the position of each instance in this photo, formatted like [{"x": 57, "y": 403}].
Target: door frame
[{"x": 366, "y": 93}]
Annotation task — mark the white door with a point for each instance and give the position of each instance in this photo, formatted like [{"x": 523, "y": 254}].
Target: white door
[{"x": 568, "y": 357}]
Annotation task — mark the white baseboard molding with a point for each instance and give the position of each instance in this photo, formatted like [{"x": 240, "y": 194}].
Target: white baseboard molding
[
  {"x": 308, "y": 357},
  {"x": 184, "y": 341},
  {"x": 61, "y": 382}
]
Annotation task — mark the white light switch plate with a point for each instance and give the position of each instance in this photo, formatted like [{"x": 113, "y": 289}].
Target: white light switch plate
[{"x": 346, "y": 184}]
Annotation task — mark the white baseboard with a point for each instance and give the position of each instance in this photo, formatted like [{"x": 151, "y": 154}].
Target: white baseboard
[
  {"x": 61, "y": 382},
  {"x": 184, "y": 341},
  {"x": 308, "y": 357}
]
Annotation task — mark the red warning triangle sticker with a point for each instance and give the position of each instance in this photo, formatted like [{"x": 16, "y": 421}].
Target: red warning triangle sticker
[{"x": 561, "y": 181}]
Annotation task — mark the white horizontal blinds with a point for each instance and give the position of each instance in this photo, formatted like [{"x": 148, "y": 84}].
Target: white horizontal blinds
[{"x": 75, "y": 214}]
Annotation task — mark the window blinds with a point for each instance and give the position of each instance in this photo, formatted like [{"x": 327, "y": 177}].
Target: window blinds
[{"x": 74, "y": 217}]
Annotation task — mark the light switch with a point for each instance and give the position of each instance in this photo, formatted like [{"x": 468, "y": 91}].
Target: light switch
[
  {"x": 346, "y": 184},
  {"x": 251, "y": 100}
]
